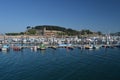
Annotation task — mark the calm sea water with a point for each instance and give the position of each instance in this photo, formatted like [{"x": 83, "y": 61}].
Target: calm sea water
[{"x": 60, "y": 64}]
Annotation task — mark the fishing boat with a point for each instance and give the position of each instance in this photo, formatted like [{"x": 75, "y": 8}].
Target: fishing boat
[
  {"x": 17, "y": 47},
  {"x": 5, "y": 48},
  {"x": 54, "y": 47},
  {"x": 42, "y": 47},
  {"x": 69, "y": 46},
  {"x": 88, "y": 46}
]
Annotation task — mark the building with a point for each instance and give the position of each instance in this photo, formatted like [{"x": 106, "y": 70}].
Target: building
[{"x": 45, "y": 32}]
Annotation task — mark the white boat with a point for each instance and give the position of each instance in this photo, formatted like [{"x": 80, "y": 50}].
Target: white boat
[
  {"x": 62, "y": 45},
  {"x": 34, "y": 48},
  {"x": 96, "y": 46},
  {"x": 5, "y": 48}
]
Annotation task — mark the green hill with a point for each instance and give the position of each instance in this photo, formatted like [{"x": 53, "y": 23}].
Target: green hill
[
  {"x": 64, "y": 31},
  {"x": 67, "y": 31}
]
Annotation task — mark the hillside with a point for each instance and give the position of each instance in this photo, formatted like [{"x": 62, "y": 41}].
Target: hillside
[
  {"x": 67, "y": 31},
  {"x": 64, "y": 31}
]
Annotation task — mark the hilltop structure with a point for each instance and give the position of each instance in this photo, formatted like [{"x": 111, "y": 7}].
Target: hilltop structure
[{"x": 44, "y": 32}]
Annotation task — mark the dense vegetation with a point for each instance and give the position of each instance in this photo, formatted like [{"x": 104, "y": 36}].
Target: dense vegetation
[
  {"x": 31, "y": 32},
  {"x": 15, "y": 34},
  {"x": 83, "y": 32},
  {"x": 49, "y": 27}
]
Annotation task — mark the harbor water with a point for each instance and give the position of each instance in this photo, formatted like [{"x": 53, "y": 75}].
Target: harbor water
[{"x": 60, "y": 64}]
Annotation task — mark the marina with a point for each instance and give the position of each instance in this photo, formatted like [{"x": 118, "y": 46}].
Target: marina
[
  {"x": 42, "y": 43},
  {"x": 60, "y": 58},
  {"x": 60, "y": 40},
  {"x": 48, "y": 52}
]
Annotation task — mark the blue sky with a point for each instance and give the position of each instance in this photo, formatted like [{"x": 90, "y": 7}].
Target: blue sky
[{"x": 96, "y": 15}]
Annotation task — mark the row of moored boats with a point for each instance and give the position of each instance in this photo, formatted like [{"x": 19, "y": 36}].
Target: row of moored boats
[{"x": 7, "y": 47}]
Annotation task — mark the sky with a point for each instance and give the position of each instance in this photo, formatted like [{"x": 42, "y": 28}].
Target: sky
[{"x": 95, "y": 15}]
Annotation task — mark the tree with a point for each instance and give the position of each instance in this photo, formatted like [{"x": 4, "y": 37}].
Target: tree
[
  {"x": 22, "y": 33},
  {"x": 83, "y": 32},
  {"x": 99, "y": 33},
  {"x": 32, "y": 31}
]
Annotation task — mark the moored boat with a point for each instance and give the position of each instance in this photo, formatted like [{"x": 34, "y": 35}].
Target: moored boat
[
  {"x": 88, "y": 46},
  {"x": 42, "y": 47},
  {"x": 0, "y": 49},
  {"x": 62, "y": 45},
  {"x": 16, "y": 48},
  {"x": 5, "y": 48},
  {"x": 69, "y": 46},
  {"x": 96, "y": 46},
  {"x": 34, "y": 48},
  {"x": 54, "y": 47}
]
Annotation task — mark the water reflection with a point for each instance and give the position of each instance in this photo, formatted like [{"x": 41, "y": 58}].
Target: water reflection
[
  {"x": 33, "y": 50},
  {"x": 5, "y": 52},
  {"x": 60, "y": 62},
  {"x": 42, "y": 51}
]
